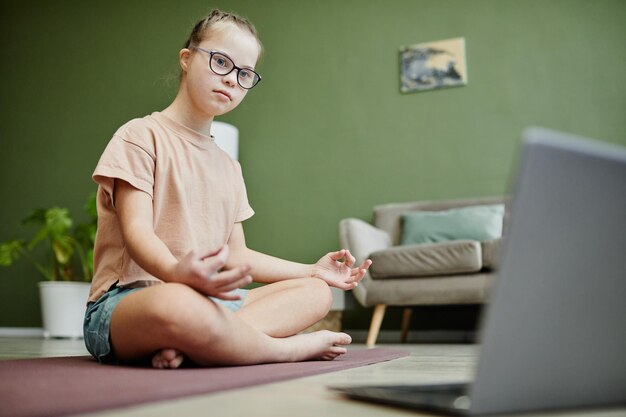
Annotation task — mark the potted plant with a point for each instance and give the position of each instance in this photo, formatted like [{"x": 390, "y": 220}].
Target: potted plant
[{"x": 69, "y": 269}]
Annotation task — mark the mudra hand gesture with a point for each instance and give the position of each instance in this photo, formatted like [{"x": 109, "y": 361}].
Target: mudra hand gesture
[{"x": 340, "y": 274}]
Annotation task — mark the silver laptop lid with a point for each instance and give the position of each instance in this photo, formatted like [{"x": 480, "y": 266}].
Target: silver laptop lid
[{"x": 554, "y": 334}]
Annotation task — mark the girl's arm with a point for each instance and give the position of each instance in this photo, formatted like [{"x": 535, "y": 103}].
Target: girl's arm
[
  {"x": 198, "y": 269},
  {"x": 268, "y": 269}
]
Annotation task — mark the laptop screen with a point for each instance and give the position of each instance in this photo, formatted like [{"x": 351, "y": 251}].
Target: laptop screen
[{"x": 554, "y": 333}]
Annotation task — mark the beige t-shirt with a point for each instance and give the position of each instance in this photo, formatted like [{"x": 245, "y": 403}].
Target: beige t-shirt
[{"x": 197, "y": 192}]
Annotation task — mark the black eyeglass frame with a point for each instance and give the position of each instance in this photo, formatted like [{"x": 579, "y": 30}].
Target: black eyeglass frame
[{"x": 235, "y": 67}]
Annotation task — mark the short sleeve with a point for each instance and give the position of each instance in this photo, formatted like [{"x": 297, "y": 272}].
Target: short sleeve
[
  {"x": 128, "y": 161},
  {"x": 244, "y": 210}
]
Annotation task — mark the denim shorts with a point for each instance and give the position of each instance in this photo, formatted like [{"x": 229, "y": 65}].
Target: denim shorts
[{"x": 98, "y": 320}]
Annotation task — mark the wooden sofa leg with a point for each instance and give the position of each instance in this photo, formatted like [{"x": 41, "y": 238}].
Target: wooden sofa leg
[
  {"x": 406, "y": 323},
  {"x": 377, "y": 319}
]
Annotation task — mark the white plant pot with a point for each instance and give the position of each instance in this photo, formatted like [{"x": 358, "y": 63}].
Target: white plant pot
[{"x": 63, "y": 306}]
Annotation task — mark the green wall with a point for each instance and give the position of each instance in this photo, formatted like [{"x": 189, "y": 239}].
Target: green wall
[{"x": 327, "y": 134}]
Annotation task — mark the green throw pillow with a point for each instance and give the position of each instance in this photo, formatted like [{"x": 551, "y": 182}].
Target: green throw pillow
[{"x": 473, "y": 223}]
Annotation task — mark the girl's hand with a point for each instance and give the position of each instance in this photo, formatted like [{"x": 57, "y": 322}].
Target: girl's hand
[
  {"x": 201, "y": 272},
  {"x": 340, "y": 274}
]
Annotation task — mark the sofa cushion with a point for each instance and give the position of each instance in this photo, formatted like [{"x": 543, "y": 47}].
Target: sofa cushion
[
  {"x": 456, "y": 257},
  {"x": 479, "y": 223},
  {"x": 491, "y": 252}
]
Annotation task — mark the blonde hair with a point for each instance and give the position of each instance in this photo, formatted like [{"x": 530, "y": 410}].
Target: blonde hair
[{"x": 203, "y": 27}]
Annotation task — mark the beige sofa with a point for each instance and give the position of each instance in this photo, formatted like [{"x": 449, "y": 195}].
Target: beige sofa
[{"x": 452, "y": 272}]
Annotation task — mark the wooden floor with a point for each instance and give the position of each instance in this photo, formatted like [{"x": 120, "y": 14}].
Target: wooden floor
[{"x": 300, "y": 397}]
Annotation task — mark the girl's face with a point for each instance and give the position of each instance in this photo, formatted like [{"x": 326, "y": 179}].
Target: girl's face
[{"x": 211, "y": 94}]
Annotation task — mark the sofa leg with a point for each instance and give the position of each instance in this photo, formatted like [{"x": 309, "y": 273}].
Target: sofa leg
[
  {"x": 377, "y": 319},
  {"x": 406, "y": 322}
]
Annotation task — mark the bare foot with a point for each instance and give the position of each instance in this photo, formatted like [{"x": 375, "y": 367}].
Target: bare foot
[
  {"x": 167, "y": 358},
  {"x": 323, "y": 344}
]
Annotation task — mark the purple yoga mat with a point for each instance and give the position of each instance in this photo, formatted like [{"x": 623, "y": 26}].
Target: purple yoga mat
[{"x": 69, "y": 385}]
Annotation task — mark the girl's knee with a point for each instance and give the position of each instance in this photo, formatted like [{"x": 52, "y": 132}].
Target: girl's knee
[
  {"x": 170, "y": 299},
  {"x": 179, "y": 309},
  {"x": 321, "y": 291}
]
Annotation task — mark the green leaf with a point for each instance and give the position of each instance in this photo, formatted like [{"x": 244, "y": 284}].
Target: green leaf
[
  {"x": 36, "y": 217},
  {"x": 41, "y": 235},
  {"x": 58, "y": 221},
  {"x": 10, "y": 252},
  {"x": 63, "y": 249}
]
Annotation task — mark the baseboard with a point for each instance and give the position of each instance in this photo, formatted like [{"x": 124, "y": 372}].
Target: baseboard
[
  {"x": 432, "y": 336},
  {"x": 21, "y": 332}
]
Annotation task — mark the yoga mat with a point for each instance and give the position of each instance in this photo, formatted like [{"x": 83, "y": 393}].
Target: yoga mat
[{"x": 70, "y": 385}]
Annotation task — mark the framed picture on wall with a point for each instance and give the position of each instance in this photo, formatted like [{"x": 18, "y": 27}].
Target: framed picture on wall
[{"x": 432, "y": 65}]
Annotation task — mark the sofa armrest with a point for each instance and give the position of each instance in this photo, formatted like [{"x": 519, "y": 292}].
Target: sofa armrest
[
  {"x": 425, "y": 260},
  {"x": 361, "y": 238},
  {"x": 491, "y": 253}
]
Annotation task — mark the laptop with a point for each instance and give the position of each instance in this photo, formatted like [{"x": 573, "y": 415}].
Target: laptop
[{"x": 553, "y": 335}]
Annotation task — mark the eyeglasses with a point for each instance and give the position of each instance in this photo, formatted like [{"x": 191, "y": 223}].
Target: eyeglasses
[{"x": 223, "y": 65}]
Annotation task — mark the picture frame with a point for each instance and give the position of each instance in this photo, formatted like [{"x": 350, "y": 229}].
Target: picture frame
[{"x": 433, "y": 65}]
